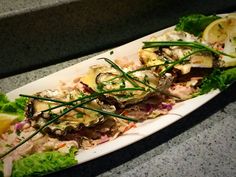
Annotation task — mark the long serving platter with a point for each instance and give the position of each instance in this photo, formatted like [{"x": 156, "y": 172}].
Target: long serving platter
[{"x": 144, "y": 129}]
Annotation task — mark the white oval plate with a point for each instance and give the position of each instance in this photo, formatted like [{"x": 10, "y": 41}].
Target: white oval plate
[{"x": 144, "y": 129}]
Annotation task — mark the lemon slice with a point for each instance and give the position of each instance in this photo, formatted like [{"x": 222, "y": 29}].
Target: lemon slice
[
  {"x": 5, "y": 121},
  {"x": 230, "y": 48},
  {"x": 218, "y": 30}
]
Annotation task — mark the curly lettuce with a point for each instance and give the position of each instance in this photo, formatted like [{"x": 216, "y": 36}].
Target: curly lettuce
[
  {"x": 195, "y": 23},
  {"x": 40, "y": 164},
  {"x": 218, "y": 79},
  {"x": 13, "y": 107}
]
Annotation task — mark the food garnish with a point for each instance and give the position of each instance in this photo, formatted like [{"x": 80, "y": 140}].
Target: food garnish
[
  {"x": 15, "y": 107},
  {"x": 218, "y": 79},
  {"x": 195, "y": 24},
  {"x": 6, "y": 121},
  {"x": 220, "y": 30},
  {"x": 43, "y": 163},
  {"x": 194, "y": 45}
]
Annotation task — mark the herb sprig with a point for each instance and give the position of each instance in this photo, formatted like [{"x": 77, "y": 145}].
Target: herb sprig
[
  {"x": 194, "y": 45},
  {"x": 180, "y": 61},
  {"x": 133, "y": 79},
  {"x": 90, "y": 97},
  {"x": 124, "y": 74}
]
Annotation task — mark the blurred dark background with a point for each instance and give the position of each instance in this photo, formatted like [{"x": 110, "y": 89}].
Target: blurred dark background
[{"x": 54, "y": 34}]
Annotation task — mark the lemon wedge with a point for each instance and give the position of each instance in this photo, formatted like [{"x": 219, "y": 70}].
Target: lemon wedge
[
  {"x": 230, "y": 48},
  {"x": 5, "y": 121},
  {"x": 218, "y": 30}
]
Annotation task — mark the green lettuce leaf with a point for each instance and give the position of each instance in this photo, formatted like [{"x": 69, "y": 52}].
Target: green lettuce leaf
[
  {"x": 195, "y": 23},
  {"x": 14, "y": 107},
  {"x": 3, "y": 98},
  {"x": 218, "y": 79},
  {"x": 40, "y": 164}
]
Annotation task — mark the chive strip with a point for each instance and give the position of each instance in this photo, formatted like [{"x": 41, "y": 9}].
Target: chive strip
[
  {"x": 109, "y": 61},
  {"x": 40, "y": 98},
  {"x": 145, "y": 68},
  {"x": 137, "y": 70},
  {"x": 100, "y": 111},
  {"x": 97, "y": 110},
  {"x": 110, "y": 114},
  {"x": 124, "y": 74},
  {"x": 184, "y": 58},
  {"x": 167, "y": 69},
  {"x": 68, "y": 103},
  {"x": 152, "y": 44},
  {"x": 132, "y": 78},
  {"x": 96, "y": 94}
]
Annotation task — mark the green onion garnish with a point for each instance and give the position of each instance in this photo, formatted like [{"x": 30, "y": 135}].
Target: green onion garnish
[
  {"x": 197, "y": 45},
  {"x": 124, "y": 74}
]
